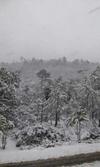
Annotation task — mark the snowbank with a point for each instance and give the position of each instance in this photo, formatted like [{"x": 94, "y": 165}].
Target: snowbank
[
  {"x": 94, "y": 164},
  {"x": 36, "y": 154}
]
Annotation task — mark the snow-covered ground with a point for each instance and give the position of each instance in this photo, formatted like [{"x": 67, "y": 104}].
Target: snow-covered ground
[
  {"x": 11, "y": 144},
  {"x": 7, "y": 156},
  {"x": 94, "y": 164}
]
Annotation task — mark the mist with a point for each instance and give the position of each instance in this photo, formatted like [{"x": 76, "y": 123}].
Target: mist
[{"x": 49, "y": 29}]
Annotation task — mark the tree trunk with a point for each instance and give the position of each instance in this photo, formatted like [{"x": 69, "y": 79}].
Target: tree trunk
[
  {"x": 79, "y": 131},
  {"x": 56, "y": 118},
  {"x": 99, "y": 123},
  {"x": 4, "y": 138},
  {"x": 41, "y": 113}
]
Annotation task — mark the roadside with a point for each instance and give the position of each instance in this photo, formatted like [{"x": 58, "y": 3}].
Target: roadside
[
  {"x": 58, "y": 162},
  {"x": 36, "y": 154}
]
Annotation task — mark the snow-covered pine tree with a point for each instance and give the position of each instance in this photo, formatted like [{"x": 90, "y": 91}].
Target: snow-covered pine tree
[
  {"x": 58, "y": 98},
  {"x": 89, "y": 98},
  {"x": 8, "y": 100},
  {"x": 77, "y": 116},
  {"x": 4, "y": 126},
  {"x": 43, "y": 93}
]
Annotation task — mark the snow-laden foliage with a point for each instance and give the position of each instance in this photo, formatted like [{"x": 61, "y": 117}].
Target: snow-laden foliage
[
  {"x": 3, "y": 124},
  {"x": 8, "y": 100},
  {"x": 38, "y": 134},
  {"x": 51, "y": 110},
  {"x": 52, "y": 102}
]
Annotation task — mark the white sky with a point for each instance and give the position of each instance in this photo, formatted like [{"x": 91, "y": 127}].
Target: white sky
[{"x": 49, "y": 29}]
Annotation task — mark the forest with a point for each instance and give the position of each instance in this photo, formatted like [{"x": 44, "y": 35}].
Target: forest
[{"x": 47, "y": 103}]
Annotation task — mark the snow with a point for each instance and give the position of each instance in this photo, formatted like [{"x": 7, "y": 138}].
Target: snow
[
  {"x": 94, "y": 164},
  {"x": 11, "y": 145},
  {"x": 45, "y": 153}
]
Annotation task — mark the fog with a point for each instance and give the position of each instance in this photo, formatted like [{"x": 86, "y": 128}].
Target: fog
[{"x": 49, "y": 29}]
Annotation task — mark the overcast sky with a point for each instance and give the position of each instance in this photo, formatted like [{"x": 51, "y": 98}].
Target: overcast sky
[{"x": 49, "y": 29}]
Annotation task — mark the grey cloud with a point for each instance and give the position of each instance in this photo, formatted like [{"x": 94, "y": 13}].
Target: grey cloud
[{"x": 49, "y": 28}]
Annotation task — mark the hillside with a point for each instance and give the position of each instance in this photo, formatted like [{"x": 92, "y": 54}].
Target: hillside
[
  {"x": 45, "y": 110},
  {"x": 75, "y": 70}
]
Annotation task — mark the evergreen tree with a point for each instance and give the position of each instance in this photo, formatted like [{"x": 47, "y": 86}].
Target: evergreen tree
[
  {"x": 58, "y": 98},
  {"x": 4, "y": 126},
  {"x": 89, "y": 98},
  {"x": 43, "y": 93},
  {"x": 8, "y": 100},
  {"x": 77, "y": 116}
]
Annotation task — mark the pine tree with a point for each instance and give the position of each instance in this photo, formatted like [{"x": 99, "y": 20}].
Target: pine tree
[
  {"x": 43, "y": 93},
  {"x": 89, "y": 98},
  {"x": 58, "y": 98},
  {"x": 4, "y": 126},
  {"x": 8, "y": 100},
  {"x": 77, "y": 116}
]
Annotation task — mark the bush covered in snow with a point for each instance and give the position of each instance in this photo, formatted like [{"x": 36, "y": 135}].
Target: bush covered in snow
[{"x": 39, "y": 135}]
